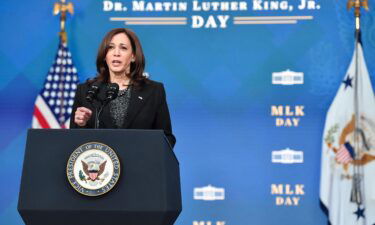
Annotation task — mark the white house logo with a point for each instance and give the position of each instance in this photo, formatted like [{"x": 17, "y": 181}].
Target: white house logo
[
  {"x": 287, "y": 156},
  {"x": 287, "y": 77},
  {"x": 93, "y": 169},
  {"x": 208, "y": 222},
  {"x": 209, "y": 193}
]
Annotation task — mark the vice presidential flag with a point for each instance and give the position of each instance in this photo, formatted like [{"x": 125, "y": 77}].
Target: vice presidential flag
[
  {"x": 53, "y": 105},
  {"x": 347, "y": 185}
]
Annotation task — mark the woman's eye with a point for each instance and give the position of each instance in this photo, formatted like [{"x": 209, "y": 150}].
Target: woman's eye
[{"x": 111, "y": 47}]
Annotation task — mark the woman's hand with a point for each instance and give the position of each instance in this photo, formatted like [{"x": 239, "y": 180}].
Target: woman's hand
[{"x": 82, "y": 115}]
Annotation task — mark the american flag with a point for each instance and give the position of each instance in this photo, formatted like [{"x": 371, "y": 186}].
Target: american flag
[
  {"x": 345, "y": 154},
  {"x": 53, "y": 105}
]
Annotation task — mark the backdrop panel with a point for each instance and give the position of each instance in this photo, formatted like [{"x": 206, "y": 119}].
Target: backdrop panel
[{"x": 245, "y": 80}]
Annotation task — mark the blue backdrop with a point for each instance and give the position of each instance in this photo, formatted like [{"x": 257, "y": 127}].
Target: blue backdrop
[{"x": 219, "y": 90}]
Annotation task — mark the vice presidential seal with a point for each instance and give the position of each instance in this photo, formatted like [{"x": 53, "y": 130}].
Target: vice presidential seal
[{"x": 93, "y": 169}]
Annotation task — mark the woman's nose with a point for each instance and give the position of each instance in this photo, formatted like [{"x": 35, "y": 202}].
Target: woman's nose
[{"x": 116, "y": 51}]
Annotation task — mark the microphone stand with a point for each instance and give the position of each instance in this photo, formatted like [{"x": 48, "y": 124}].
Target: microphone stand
[
  {"x": 98, "y": 111},
  {"x": 112, "y": 93}
]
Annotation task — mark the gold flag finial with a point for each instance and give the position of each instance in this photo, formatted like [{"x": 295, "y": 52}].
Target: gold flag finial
[
  {"x": 357, "y": 5},
  {"x": 62, "y": 8}
]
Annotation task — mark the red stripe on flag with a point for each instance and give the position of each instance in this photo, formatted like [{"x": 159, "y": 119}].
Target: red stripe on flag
[{"x": 42, "y": 121}]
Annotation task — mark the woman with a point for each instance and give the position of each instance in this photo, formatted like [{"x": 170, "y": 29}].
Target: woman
[{"x": 141, "y": 103}]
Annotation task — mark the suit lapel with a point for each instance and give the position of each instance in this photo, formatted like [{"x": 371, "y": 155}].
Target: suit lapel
[
  {"x": 106, "y": 117},
  {"x": 137, "y": 99}
]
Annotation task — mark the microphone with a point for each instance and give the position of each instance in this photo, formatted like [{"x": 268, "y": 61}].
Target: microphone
[
  {"x": 112, "y": 92},
  {"x": 93, "y": 91}
]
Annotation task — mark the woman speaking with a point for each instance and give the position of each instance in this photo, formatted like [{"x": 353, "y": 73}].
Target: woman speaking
[{"x": 140, "y": 103}]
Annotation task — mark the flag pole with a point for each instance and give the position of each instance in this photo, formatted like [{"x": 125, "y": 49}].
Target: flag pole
[
  {"x": 63, "y": 8},
  {"x": 356, "y": 194}
]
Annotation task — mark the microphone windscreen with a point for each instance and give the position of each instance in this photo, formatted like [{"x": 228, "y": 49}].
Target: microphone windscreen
[
  {"x": 93, "y": 91},
  {"x": 115, "y": 87},
  {"x": 112, "y": 91}
]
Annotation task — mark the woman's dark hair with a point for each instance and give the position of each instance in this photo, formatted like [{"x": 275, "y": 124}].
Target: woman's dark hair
[{"x": 136, "y": 68}]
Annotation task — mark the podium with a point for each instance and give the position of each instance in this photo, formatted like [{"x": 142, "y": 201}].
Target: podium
[{"x": 147, "y": 192}]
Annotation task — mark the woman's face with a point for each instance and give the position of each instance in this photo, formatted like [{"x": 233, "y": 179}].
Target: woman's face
[{"x": 119, "y": 55}]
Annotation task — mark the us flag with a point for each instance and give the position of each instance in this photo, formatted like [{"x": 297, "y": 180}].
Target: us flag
[
  {"x": 53, "y": 105},
  {"x": 345, "y": 153}
]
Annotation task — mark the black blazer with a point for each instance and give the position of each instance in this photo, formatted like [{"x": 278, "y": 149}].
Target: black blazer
[{"x": 148, "y": 109}]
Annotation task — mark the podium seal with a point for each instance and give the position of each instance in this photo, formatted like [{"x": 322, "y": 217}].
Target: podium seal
[{"x": 93, "y": 169}]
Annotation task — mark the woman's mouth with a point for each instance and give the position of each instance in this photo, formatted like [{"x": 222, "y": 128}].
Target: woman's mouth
[{"x": 116, "y": 62}]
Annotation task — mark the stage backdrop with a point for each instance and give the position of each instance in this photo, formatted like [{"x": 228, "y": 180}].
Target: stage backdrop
[{"x": 248, "y": 86}]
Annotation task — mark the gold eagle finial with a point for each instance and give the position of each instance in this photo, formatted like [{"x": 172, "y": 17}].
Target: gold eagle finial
[
  {"x": 357, "y": 5},
  {"x": 63, "y": 8}
]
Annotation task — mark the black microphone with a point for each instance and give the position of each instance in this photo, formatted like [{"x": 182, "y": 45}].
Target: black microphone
[
  {"x": 93, "y": 91},
  {"x": 112, "y": 92}
]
